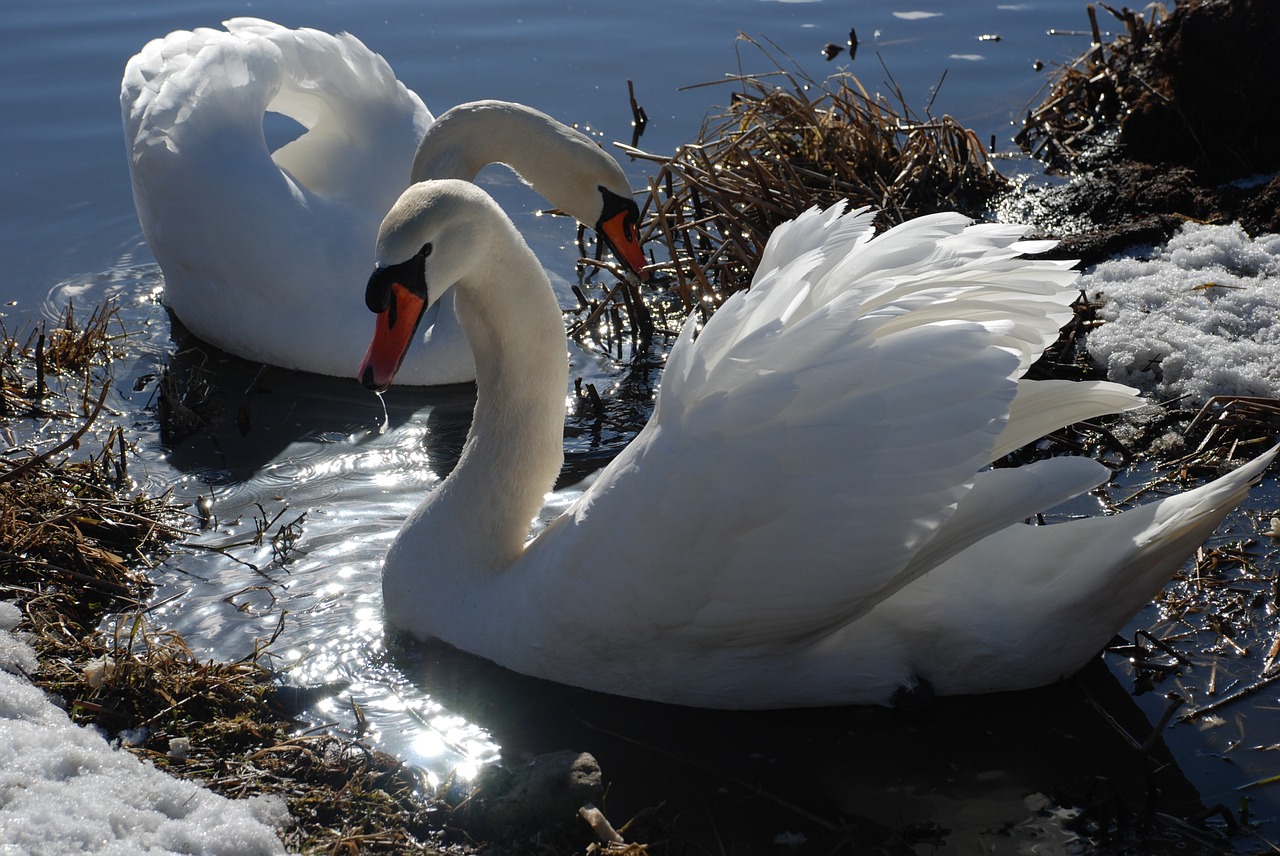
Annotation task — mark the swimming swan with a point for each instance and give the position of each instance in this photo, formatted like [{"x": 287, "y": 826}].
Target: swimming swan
[
  {"x": 808, "y": 517},
  {"x": 259, "y": 248}
]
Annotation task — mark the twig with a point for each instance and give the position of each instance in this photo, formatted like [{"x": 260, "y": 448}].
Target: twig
[{"x": 1228, "y": 699}]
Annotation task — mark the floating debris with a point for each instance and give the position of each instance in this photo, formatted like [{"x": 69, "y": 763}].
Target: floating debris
[{"x": 833, "y": 50}]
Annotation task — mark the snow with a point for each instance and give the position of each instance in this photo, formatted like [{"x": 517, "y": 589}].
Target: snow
[
  {"x": 65, "y": 790},
  {"x": 1197, "y": 317}
]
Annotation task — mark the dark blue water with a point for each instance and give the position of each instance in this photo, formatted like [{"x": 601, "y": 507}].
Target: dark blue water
[{"x": 966, "y": 776}]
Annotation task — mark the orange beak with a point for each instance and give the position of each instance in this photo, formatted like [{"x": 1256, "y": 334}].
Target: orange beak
[
  {"x": 620, "y": 233},
  {"x": 391, "y": 338}
]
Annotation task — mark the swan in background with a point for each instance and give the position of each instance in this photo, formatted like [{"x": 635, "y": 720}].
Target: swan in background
[
  {"x": 808, "y": 518},
  {"x": 259, "y": 248}
]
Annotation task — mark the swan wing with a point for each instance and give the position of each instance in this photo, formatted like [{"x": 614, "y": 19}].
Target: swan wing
[
  {"x": 352, "y": 104},
  {"x": 819, "y": 434}
]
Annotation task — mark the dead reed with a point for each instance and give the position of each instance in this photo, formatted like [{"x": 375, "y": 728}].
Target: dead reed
[
  {"x": 72, "y": 538},
  {"x": 225, "y": 725},
  {"x": 787, "y": 143},
  {"x": 68, "y": 350},
  {"x": 1088, "y": 96}
]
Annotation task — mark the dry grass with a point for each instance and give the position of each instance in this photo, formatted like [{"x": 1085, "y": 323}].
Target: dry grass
[
  {"x": 69, "y": 350},
  {"x": 1231, "y": 427},
  {"x": 224, "y": 725},
  {"x": 787, "y": 143},
  {"x": 1088, "y": 96},
  {"x": 71, "y": 541},
  {"x": 71, "y": 538}
]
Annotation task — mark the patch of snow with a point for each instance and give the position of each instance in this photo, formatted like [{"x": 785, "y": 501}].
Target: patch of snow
[
  {"x": 1197, "y": 317},
  {"x": 63, "y": 789}
]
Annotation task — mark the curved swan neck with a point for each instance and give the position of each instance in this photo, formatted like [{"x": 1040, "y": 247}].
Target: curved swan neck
[
  {"x": 542, "y": 151},
  {"x": 514, "y": 449}
]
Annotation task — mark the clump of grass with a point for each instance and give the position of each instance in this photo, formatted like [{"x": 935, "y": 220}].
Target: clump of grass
[
  {"x": 69, "y": 350},
  {"x": 787, "y": 143},
  {"x": 72, "y": 541},
  {"x": 1088, "y": 96},
  {"x": 75, "y": 347},
  {"x": 72, "y": 538}
]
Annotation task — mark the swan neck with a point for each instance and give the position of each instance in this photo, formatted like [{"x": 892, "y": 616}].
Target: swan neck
[
  {"x": 514, "y": 449},
  {"x": 468, "y": 138}
]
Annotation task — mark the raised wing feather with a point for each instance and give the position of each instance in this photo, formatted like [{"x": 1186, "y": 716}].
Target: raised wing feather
[{"x": 840, "y": 410}]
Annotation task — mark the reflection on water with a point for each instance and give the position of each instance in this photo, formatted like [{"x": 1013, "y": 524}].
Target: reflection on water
[
  {"x": 306, "y": 493},
  {"x": 304, "y": 480}
]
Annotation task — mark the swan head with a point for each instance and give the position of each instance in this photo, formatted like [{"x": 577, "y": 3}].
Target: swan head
[
  {"x": 409, "y": 276},
  {"x": 619, "y": 227}
]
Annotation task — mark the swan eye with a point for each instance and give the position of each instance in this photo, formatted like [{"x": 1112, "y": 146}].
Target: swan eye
[
  {"x": 615, "y": 205},
  {"x": 408, "y": 274}
]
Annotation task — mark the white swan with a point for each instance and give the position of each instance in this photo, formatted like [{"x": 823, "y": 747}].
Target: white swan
[
  {"x": 807, "y": 518},
  {"x": 259, "y": 248}
]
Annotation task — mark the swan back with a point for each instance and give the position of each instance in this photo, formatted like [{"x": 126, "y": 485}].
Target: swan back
[
  {"x": 194, "y": 101},
  {"x": 262, "y": 250}
]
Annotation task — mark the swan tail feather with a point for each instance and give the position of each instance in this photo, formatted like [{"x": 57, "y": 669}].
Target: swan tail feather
[{"x": 1087, "y": 575}]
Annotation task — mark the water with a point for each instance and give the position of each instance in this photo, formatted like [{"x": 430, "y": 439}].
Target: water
[{"x": 304, "y": 456}]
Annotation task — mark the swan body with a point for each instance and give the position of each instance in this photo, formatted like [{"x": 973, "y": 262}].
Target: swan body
[
  {"x": 259, "y": 248},
  {"x": 808, "y": 518}
]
